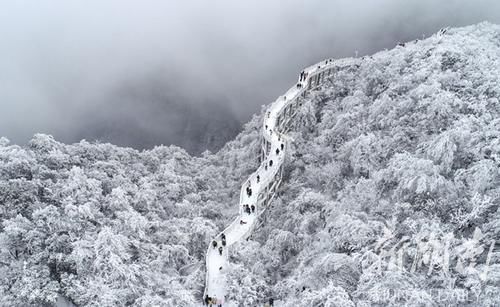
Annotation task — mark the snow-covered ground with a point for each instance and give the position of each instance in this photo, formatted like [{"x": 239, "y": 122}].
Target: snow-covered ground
[
  {"x": 394, "y": 156},
  {"x": 241, "y": 227}
]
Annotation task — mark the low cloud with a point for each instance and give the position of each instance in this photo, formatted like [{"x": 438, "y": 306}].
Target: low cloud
[{"x": 161, "y": 72}]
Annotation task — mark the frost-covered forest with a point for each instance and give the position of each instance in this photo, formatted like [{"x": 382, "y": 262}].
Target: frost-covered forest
[
  {"x": 390, "y": 197},
  {"x": 110, "y": 226}
]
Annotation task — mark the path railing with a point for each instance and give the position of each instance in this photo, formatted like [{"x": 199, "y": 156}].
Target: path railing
[{"x": 265, "y": 181}]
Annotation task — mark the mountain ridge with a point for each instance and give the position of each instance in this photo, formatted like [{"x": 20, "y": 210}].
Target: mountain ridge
[{"x": 403, "y": 144}]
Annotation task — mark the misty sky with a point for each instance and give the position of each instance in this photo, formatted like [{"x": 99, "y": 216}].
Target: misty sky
[{"x": 141, "y": 73}]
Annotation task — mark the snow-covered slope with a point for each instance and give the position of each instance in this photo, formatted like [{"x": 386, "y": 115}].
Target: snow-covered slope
[
  {"x": 398, "y": 151},
  {"x": 401, "y": 147},
  {"x": 263, "y": 182}
]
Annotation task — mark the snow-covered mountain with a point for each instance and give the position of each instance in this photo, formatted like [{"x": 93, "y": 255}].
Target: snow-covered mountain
[{"x": 390, "y": 197}]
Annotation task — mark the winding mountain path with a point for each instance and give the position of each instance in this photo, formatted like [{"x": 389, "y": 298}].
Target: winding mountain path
[{"x": 264, "y": 181}]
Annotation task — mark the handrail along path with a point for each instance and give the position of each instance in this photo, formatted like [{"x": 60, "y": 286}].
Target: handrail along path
[{"x": 274, "y": 147}]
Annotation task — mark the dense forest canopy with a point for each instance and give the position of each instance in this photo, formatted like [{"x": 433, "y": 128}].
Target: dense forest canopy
[{"x": 391, "y": 195}]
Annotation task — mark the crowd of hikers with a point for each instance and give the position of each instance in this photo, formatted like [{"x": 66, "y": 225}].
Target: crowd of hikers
[
  {"x": 304, "y": 74},
  {"x": 213, "y": 301},
  {"x": 249, "y": 190},
  {"x": 249, "y": 209}
]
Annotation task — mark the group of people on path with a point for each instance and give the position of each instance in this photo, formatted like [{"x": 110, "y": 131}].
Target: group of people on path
[
  {"x": 303, "y": 76},
  {"x": 212, "y": 301},
  {"x": 282, "y": 146},
  {"x": 214, "y": 244},
  {"x": 249, "y": 209},
  {"x": 223, "y": 243},
  {"x": 249, "y": 191}
]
